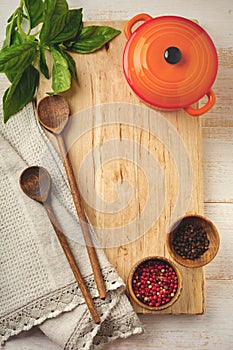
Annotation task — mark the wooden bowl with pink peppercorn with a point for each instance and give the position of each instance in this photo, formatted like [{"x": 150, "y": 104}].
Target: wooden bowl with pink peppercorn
[{"x": 155, "y": 283}]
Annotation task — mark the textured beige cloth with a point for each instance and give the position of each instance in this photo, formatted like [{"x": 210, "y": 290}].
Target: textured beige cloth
[{"x": 37, "y": 286}]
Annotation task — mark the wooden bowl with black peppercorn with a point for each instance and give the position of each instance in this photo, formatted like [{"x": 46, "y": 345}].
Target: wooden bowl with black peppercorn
[
  {"x": 154, "y": 283},
  {"x": 193, "y": 241}
]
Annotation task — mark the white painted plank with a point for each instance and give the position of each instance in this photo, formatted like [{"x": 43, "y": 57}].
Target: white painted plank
[
  {"x": 218, "y": 164},
  {"x": 213, "y": 330},
  {"x": 6, "y": 9},
  {"x": 215, "y": 16},
  {"x": 222, "y": 216},
  {"x": 210, "y": 331},
  {"x": 206, "y": 331},
  {"x": 221, "y": 114},
  {"x": 212, "y": 14}
]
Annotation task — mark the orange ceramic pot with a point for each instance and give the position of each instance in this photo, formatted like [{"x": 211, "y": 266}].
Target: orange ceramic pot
[{"x": 170, "y": 62}]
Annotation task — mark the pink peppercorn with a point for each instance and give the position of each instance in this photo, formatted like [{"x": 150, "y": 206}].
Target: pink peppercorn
[{"x": 155, "y": 283}]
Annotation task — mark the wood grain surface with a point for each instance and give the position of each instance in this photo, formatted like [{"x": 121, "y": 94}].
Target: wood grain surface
[
  {"x": 158, "y": 153},
  {"x": 214, "y": 328},
  {"x": 53, "y": 113}
]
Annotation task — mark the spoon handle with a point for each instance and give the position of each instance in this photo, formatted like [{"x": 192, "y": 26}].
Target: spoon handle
[
  {"x": 82, "y": 217},
  {"x": 62, "y": 239}
]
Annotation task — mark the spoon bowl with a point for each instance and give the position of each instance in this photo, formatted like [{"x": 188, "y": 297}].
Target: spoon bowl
[
  {"x": 53, "y": 113},
  {"x": 35, "y": 182}
]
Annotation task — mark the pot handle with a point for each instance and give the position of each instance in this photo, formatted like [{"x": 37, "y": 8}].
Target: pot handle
[
  {"x": 133, "y": 21},
  {"x": 197, "y": 112}
]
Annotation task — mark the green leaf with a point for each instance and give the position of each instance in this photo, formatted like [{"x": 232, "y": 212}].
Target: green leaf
[
  {"x": 62, "y": 30},
  {"x": 93, "y": 38},
  {"x": 43, "y": 64},
  {"x": 16, "y": 58},
  {"x": 73, "y": 21},
  {"x": 55, "y": 12},
  {"x": 17, "y": 38},
  {"x": 61, "y": 77},
  {"x": 35, "y": 11},
  {"x": 20, "y": 92},
  {"x": 11, "y": 17},
  {"x": 71, "y": 63},
  {"x": 19, "y": 9},
  {"x": 13, "y": 37},
  {"x": 9, "y": 31},
  {"x": 70, "y": 43}
]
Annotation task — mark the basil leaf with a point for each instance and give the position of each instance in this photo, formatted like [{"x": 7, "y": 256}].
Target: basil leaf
[
  {"x": 17, "y": 11},
  {"x": 35, "y": 11},
  {"x": 73, "y": 21},
  {"x": 61, "y": 77},
  {"x": 55, "y": 12},
  {"x": 7, "y": 41},
  {"x": 20, "y": 92},
  {"x": 70, "y": 43},
  {"x": 43, "y": 64},
  {"x": 71, "y": 63},
  {"x": 93, "y": 38},
  {"x": 10, "y": 29},
  {"x": 11, "y": 17},
  {"x": 17, "y": 38},
  {"x": 16, "y": 58},
  {"x": 12, "y": 34}
]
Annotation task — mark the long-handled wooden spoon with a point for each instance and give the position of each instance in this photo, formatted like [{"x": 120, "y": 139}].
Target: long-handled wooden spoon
[
  {"x": 53, "y": 113},
  {"x": 36, "y": 183}
]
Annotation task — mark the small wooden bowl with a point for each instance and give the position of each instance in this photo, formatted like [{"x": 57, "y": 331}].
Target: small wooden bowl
[
  {"x": 131, "y": 277},
  {"x": 212, "y": 235}
]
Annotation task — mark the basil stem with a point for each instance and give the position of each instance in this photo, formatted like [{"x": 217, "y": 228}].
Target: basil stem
[{"x": 22, "y": 56}]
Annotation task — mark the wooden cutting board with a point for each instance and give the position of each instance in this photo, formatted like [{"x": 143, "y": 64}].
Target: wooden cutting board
[{"x": 138, "y": 169}]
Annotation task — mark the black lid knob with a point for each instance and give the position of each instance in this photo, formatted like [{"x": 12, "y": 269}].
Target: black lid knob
[{"x": 172, "y": 55}]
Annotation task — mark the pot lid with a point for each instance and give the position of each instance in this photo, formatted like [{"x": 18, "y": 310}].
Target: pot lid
[{"x": 170, "y": 62}]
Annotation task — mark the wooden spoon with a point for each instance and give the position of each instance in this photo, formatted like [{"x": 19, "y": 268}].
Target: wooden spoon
[
  {"x": 53, "y": 113},
  {"x": 36, "y": 183}
]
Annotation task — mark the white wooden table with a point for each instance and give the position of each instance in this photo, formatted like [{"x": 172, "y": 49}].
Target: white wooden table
[{"x": 214, "y": 328}]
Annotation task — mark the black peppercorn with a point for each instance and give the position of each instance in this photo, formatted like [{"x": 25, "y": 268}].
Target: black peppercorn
[{"x": 190, "y": 241}]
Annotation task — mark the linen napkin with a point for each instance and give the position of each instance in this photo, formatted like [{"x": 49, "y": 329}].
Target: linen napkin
[{"x": 37, "y": 286}]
